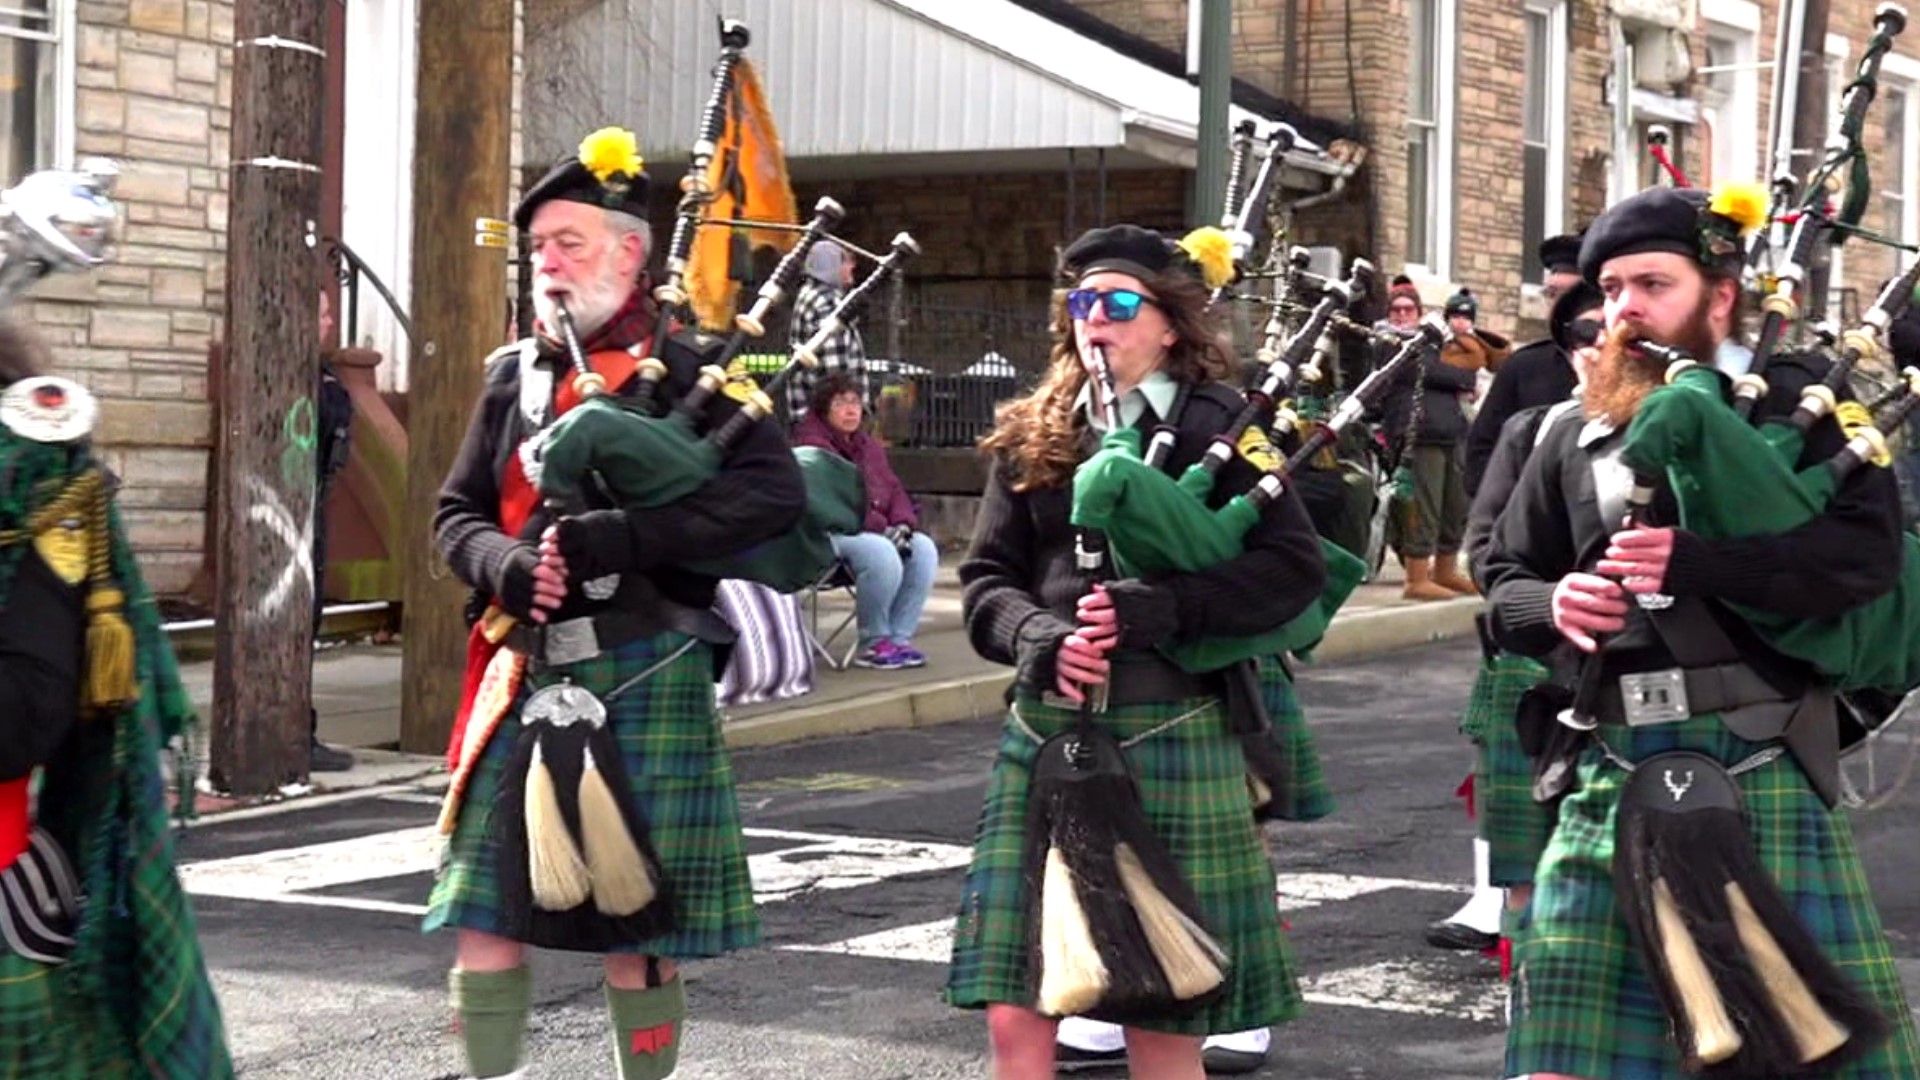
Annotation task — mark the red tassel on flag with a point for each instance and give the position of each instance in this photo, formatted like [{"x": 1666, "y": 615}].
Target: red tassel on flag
[{"x": 1465, "y": 791}]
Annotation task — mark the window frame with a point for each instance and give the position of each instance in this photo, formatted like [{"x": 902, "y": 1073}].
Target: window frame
[
  {"x": 63, "y": 22},
  {"x": 1904, "y": 73},
  {"x": 1439, "y": 182},
  {"x": 1737, "y": 21},
  {"x": 1558, "y": 63}
]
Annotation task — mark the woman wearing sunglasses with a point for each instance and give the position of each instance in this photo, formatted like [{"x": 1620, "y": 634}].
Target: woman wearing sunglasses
[{"x": 1142, "y": 301}]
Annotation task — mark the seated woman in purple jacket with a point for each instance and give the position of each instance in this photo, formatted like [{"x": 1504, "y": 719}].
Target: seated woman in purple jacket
[{"x": 892, "y": 562}]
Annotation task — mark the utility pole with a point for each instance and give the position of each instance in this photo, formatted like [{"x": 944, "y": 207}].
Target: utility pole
[
  {"x": 462, "y": 151},
  {"x": 1216, "y": 94},
  {"x": 1813, "y": 120},
  {"x": 263, "y": 638}
]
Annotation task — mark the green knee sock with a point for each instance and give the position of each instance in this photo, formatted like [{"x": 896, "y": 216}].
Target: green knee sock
[
  {"x": 646, "y": 1029},
  {"x": 493, "y": 1007}
]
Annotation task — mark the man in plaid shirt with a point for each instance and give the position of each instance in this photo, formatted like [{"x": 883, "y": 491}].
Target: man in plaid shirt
[{"x": 829, "y": 273}]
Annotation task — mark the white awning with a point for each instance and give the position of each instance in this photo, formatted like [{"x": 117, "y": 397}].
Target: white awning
[{"x": 872, "y": 86}]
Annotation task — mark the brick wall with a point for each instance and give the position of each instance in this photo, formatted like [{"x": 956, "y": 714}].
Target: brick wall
[
  {"x": 1259, "y": 32},
  {"x": 155, "y": 78},
  {"x": 986, "y": 241},
  {"x": 1865, "y": 266}
]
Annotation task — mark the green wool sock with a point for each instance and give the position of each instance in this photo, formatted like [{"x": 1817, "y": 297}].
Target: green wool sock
[
  {"x": 493, "y": 1007},
  {"x": 646, "y": 1029}
]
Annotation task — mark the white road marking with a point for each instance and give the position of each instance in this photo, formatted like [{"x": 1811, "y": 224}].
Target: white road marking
[
  {"x": 825, "y": 861},
  {"x": 927, "y": 943},
  {"x": 816, "y": 861},
  {"x": 1297, "y": 892},
  {"x": 1419, "y": 987}
]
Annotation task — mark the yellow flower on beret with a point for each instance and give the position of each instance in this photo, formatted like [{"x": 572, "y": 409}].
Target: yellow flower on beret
[
  {"x": 1744, "y": 203},
  {"x": 1212, "y": 251},
  {"x": 611, "y": 152}
]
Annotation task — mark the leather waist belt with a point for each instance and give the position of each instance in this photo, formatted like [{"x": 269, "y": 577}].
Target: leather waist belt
[
  {"x": 1146, "y": 679},
  {"x": 573, "y": 640},
  {"x": 1671, "y": 695}
]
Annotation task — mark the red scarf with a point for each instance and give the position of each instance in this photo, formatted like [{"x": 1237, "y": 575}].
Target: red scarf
[{"x": 15, "y": 824}]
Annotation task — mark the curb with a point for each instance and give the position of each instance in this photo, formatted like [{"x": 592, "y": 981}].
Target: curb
[
  {"x": 1364, "y": 634},
  {"x": 1356, "y": 636},
  {"x": 949, "y": 702}
]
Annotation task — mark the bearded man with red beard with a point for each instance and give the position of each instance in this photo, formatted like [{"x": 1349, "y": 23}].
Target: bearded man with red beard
[{"x": 1571, "y": 583}]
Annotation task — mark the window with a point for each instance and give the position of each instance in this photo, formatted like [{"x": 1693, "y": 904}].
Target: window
[
  {"x": 1896, "y": 108},
  {"x": 30, "y": 87},
  {"x": 1894, "y": 168},
  {"x": 1429, "y": 119},
  {"x": 1543, "y": 129}
]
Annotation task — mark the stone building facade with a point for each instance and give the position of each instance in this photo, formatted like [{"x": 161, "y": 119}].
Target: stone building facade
[{"x": 152, "y": 80}]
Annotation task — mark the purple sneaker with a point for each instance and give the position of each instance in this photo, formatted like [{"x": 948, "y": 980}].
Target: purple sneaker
[
  {"x": 880, "y": 656},
  {"x": 909, "y": 656}
]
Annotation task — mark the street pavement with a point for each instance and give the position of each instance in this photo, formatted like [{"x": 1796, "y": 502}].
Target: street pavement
[{"x": 310, "y": 912}]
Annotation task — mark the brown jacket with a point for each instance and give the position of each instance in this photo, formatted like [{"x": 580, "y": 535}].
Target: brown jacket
[{"x": 1478, "y": 351}]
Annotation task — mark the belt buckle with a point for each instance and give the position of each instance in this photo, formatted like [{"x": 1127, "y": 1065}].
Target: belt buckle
[
  {"x": 571, "y": 642},
  {"x": 1655, "y": 697}
]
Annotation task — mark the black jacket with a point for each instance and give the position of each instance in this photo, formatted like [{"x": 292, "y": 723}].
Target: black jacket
[
  {"x": 1022, "y": 585},
  {"x": 757, "y": 495},
  {"x": 1537, "y": 374},
  {"x": 1847, "y": 556},
  {"x": 41, "y": 632},
  {"x": 1443, "y": 420}
]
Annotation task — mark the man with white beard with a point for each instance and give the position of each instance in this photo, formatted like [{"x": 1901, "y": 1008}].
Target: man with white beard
[{"x": 594, "y": 612}]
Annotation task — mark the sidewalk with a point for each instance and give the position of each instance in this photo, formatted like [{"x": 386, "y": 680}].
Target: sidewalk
[{"x": 357, "y": 686}]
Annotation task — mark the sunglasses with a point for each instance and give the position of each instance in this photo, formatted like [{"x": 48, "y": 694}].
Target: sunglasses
[
  {"x": 1582, "y": 333},
  {"x": 1121, "y": 305}
]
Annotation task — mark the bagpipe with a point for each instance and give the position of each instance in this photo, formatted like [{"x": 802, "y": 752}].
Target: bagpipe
[
  {"x": 1157, "y": 524},
  {"x": 1779, "y": 257},
  {"x": 1733, "y": 479},
  {"x": 639, "y": 452},
  {"x": 625, "y": 446}
]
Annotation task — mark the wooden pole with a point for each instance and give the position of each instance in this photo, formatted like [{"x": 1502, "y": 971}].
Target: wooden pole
[
  {"x": 1812, "y": 120},
  {"x": 263, "y": 641},
  {"x": 462, "y": 155}
]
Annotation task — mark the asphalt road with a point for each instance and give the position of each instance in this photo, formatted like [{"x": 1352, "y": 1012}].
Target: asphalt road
[{"x": 311, "y": 927}]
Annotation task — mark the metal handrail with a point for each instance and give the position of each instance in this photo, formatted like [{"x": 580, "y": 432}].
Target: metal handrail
[{"x": 350, "y": 267}]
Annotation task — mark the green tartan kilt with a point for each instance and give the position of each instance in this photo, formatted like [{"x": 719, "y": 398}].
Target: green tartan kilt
[
  {"x": 682, "y": 785},
  {"x": 1192, "y": 780},
  {"x": 50, "y": 1032},
  {"x": 1307, "y": 797},
  {"x": 1514, "y": 826},
  {"x": 1582, "y": 1003}
]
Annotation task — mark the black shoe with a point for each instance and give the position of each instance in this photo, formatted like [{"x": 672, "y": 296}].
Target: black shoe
[
  {"x": 1074, "y": 1059},
  {"x": 1220, "y": 1059},
  {"x": 328, "y": 759},
  {"x": 1453, "y": 935}
]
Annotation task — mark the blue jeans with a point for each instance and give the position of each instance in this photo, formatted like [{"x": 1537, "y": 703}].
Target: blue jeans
[{"x": 889, "y": 592}]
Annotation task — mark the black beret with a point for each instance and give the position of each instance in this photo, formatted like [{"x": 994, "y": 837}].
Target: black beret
[
  {"x": 1128, "y": 249},
  {"x": 1673, "y": 220},
  {"x": 1561, "y": 254},
  {"x": 1582, "y": 297},
  {"x": 624, "y": 188}
]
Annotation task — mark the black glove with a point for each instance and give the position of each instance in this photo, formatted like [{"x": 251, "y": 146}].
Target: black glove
[
  {"x": 595, "y": 544},
  {"x": 901, "y": 536},
  {"x": 1149, "y": 614},
  {"x": 514, "y": 582}
]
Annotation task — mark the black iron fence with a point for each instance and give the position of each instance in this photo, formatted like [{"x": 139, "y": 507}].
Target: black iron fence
[{"x": 953, "y": 366}]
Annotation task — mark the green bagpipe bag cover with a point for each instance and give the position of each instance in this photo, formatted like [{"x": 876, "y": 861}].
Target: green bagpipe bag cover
[
  {"x": 1156, "y": 526},
  {"x": 644, "y": 460},
  {"x": 836, "y": 503},
  {"x": 1731, "y": 481}
]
